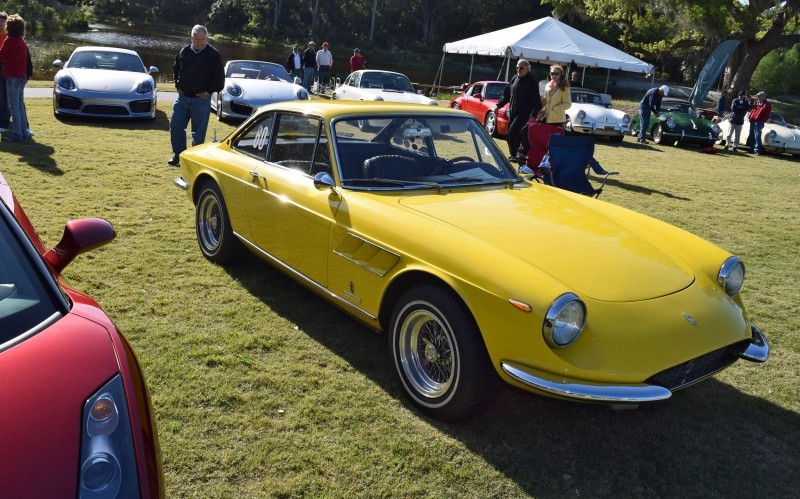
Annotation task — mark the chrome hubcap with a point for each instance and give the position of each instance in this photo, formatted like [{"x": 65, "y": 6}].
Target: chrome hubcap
[{"x": 426, "y": 353}]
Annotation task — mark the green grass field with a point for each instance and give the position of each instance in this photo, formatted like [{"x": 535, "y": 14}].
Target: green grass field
[{"x": 262, "y": 389}]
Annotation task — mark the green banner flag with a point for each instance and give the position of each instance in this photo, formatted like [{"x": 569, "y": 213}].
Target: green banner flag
[{"x": 713, "y": 67}]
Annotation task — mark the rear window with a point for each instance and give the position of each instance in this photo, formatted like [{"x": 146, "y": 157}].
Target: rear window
[{"x": 26, "y": 304}]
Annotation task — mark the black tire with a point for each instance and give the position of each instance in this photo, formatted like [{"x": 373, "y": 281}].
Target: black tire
[
  {"x": 568, "y": 127},
  {"x": 490, "y": 123},
  {"x": 334, "y": 96},
  {"x": 219, "y": 108},
  {"x": 455, "y": 105},
  {"x": 439, "y": 354},
  {"x": 213, "y": 227},
  {"x": 658, "y": 137}
]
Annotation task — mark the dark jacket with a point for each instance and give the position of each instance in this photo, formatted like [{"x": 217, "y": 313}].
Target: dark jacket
[
  {"x": 310, "y": 59},
  {"x": 197, "y": 72},
  {"x": 722, "y": 105},
  {"x": 523, "y": 94},
  {"x": 290, "y": 62},
  {"x": 651, "y": 101},
  {"x": 738, "y": 109}
]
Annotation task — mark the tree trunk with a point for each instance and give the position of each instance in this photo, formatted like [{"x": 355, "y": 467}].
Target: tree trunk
[{"x": 314, "y": 8}]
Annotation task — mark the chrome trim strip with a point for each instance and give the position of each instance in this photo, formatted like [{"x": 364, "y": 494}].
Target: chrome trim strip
[
  {"x": 180, "y": 182},
  {"x": 758, "y": 350},
  {"x": 305, "y": 279},
  {"x": 586, "y": 392}
]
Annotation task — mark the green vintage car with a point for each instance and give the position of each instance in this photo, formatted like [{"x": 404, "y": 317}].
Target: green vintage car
[{"x": 678, "y": 122}]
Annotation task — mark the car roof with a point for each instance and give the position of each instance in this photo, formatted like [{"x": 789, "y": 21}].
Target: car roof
[
  {"x": 104, "y": 49},
  {"x": 254, "y": 61},
  {"x": 329, "y": 109}
]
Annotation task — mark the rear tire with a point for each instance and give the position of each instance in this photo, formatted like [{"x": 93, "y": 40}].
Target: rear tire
[
  {"x": 568, "y": 127},
  {"x": 658, "y": 136},
  {"x": 213, "y": 227},
  {"x": 439, "y": 354},
  {"x": 455, "y": 105},
  {"x": 490, "y": 123}
]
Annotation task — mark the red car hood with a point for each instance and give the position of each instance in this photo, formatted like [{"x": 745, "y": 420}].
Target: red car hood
[{"x": 44, "y": 382}]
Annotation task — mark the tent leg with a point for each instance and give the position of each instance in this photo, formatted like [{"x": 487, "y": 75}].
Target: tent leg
[
  {"x": 583, "y": 77},
  {"x": 508, "y": 64},
  {"x": 608, "y": 75},
  {"x": 439, "y": 75},
  {"x": 471, "y": 63}
]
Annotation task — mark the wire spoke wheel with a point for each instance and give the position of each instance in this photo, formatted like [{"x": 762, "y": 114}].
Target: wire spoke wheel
[{"x": 426, "y": 351}]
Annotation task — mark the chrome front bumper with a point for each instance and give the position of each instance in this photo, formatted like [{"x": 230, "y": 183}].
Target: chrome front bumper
[{"x": 757, "y": 351}]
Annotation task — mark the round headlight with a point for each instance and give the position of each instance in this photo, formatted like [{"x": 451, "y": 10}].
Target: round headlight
[
  {"x": 234, "y": 90},
  {"x": 715, "y": 128},
  {"x": 626, "y": 120},
  {"x": 433, "y": 103},
  {"x": 581, "y": 114},
  {"x": 772, "y": 134},
  {"x": 564, "y": 321},
  {"x": 671, "y": 123},
  {"x": 731, "y": 276},
  {"x": 302, "y": 94}
]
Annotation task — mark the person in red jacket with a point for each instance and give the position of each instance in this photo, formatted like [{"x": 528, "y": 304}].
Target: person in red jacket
[
  {"x": 14, "y": 56},
  {"x": 357, "y": 61},
  {"x": 759, "y": 114}
]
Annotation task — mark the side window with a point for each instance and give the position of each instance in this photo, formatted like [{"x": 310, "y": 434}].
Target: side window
[
  {"x": 295, "y": 141},
  {"x": 476, "y": 90},
  {"x": 255, "y": 141},
  {"x": 348, "y": 82},
  {"x": 356, "y": 78},
  {"x": 322, "y": 159}
]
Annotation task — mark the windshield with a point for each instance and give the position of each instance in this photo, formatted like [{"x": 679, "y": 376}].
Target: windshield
[
  {"x": 115, "y": 61},
  {"x": 25, "y": 303},
  {"x": 255, "y": 70},
  {"x": 495, "y": 90},
  {"x": 777, "y": 119},
  {"x": 417, "y": 152},
  {"x": 678, "y": 107},
  {"x": 587, "y": 98},
  {"x": 386, "y": 81}
]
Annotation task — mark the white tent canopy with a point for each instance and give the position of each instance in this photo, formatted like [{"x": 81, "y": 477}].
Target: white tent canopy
[{"x": 549, "y": 41}]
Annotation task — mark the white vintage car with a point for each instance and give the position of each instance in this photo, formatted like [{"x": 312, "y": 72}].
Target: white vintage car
[
  {"x": 590, "y": 115},
  {"x": 375, "y": 85},
  {"x": 776, "y": 136},
  {"x": 252, "y": 84}
]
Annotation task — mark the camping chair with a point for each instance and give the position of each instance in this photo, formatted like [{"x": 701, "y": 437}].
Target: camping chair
[
  {"x": 538, "y": 137},
  {"x": 571, "y": 159}
]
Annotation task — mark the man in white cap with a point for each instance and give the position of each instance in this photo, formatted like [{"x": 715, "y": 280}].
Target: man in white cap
[
  {"x": 651, "y": 103},
  {"x": 759, "y": 114}
]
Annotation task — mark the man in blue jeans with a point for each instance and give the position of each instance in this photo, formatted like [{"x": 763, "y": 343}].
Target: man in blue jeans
[
  {"x": 651, "y": 103},
  {"x": 199, "y": 72}
]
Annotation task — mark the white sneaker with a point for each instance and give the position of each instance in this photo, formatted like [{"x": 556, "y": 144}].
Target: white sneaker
[
  {"x": 3, "y": 130},
  {"x": 30, "y": 133}
]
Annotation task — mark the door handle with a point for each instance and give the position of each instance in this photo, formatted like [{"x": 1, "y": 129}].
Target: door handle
[{"x": 257, "y": 176}]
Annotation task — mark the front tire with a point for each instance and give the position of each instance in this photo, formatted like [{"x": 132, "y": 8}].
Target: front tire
[
  {"x": 568, "y": 127},
  {"x": 490, "y": 123},
  {"x": 439, "y": 354},
  {"x": 213, "y": 227},
  {"x": 658, "y": 136},
  {"x": 455, "y": 105}
]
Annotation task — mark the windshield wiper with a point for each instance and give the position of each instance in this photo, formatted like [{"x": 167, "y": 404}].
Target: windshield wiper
[
  {"x": 387, "y": 181},
  {"x": 463, "y": 179}
]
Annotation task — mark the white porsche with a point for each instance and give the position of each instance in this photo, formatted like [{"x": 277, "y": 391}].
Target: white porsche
[
  {"x": 373, "y": 85},
  {"x": 589, "y": 115},
  {"x": 776, "y": 136},
  {"x": 252, "y": 84}
]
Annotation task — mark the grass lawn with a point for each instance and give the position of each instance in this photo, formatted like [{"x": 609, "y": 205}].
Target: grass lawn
[{"x": 261, "y": 389}]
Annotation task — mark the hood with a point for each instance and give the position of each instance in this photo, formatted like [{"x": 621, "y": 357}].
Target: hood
[
  {"x": 265, "y": 89},
  {"x": 688, "y": 121},
  {"x": 46, "y": 379},
  {"x": 598, "y": 113},
  {"x": 398, "y": 96},
  {"x": 105, "y": 80},
  {"x": 565, "y": 236}
]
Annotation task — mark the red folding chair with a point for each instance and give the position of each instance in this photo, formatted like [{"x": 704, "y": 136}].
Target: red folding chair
[{"x": 538, "y": 139}]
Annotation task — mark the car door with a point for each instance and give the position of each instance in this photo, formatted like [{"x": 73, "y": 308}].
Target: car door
[
  {"x": 349, "y": 89},
  {"x": 290, "y": 218},
  {"x": 473, "y": 102}
]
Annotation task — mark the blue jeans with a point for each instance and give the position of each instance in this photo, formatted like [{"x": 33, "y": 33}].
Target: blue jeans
[
  {"x": 5, "y": 112},
  {"x": 15, "y": 88},
  {"x": 184, "y": 109},
  {"x": 296, "y": 73},
  {"x": 756, "y": 131},
  {"x": 644, "y": 122},
  {"x": 308, "y": 78}
]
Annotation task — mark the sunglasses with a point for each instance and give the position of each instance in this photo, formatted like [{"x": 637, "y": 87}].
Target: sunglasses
[{"x": 556, "y": 74}]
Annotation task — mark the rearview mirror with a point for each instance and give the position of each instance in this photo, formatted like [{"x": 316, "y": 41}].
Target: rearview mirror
[
  {"x": 79, "y": 237},
  {"x": 57, "y": 63},
  {"x": 416, "y": 132}
]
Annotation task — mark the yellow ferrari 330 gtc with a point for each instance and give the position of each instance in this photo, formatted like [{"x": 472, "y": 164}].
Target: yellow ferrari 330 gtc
[{"x": 410, "y": 219}]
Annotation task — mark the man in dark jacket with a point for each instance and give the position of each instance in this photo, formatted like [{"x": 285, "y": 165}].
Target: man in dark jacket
[
  {"x": 739, "y": 108},
  {"x": 309, "y": 65},
  {"x": 651, "y": 103},
  {"x": 525, "y": 102},
  {"x": 199, "y": 72},
  {"x": 294, "y": 63}
]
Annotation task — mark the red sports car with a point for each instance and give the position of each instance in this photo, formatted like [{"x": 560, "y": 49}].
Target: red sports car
[
  {"x": 479, "y": 100},
  {"x": 75, "y": 417}
]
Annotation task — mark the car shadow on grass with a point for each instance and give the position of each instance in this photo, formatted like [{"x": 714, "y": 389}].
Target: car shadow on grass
[
  {"x": 710, "y": 440},
  {"x": 160, "y": 122},
  {"x": 34, "y": 154}
]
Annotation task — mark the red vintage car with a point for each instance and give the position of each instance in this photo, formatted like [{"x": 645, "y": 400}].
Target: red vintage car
[
  {"x": 76, "y": 419},
  {"x": 479, "y": 100}
]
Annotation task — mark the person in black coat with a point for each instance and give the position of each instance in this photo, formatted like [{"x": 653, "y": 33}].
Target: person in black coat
[
  {"x": 739, "y": 108},
  {"x": 294, "y": 63},
  {"x": 309, "y": 65},
  {"x": 522, "y": 94},
  {"x": 199, "y": 72}
]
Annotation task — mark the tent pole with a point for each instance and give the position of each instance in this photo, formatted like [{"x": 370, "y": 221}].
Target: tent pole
[
  {"x": 471, "y": 63},
  {"x": 508, "y": 62},
  {"x": 607, "y": 77},
  {"x": 583, "y": 78},
  {"x": 439, "y": 74}
]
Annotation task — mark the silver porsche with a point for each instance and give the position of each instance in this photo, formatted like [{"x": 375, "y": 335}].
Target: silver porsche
[
  {"x": 106, "y": 82},
  {"x": 252, "y": 84}
]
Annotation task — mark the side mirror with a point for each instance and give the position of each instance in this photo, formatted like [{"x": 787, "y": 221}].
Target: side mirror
[
  {"x": 323, "y": 180},
  {"x": 153, "y": 70},
  {"x": 79, "y": 237},
  {"x": 57, "y": 63}
]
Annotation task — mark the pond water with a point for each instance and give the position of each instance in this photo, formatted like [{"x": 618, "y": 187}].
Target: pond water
[{"x": 159, "y": 48}]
